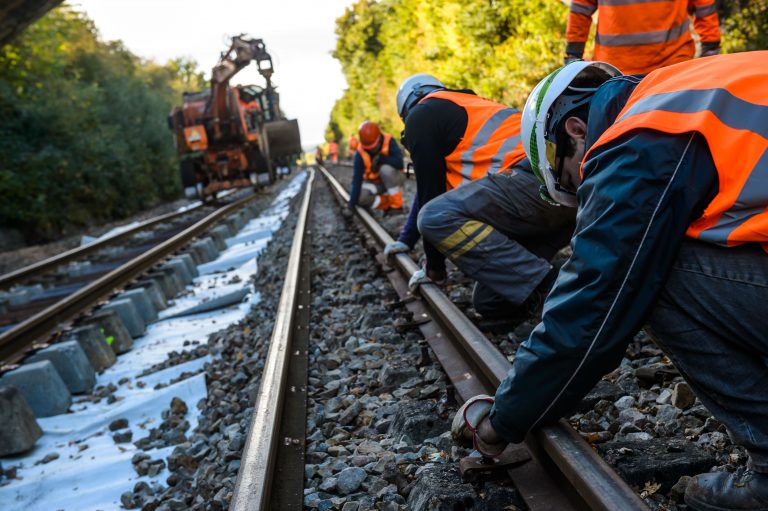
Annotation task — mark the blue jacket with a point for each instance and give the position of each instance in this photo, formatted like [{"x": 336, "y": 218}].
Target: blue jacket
[
  {"x": 638, "y": 196},
  {"x": 394, "y": 158}
]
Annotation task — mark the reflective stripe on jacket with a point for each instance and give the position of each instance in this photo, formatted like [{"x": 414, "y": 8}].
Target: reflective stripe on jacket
[
  {"x": 638, "y": 36},
  {"x": 724, "y": 98},
  {"x": 491, "y": 142},
  {"x": 372, "y": 174}
]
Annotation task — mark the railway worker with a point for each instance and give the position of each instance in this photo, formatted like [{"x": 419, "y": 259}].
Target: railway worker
[
  {"x": 672, "y": 231},
  {"x": 638, "y": 36},
  {"x": 352, "y": 144},
  {"x": 377, "y": 178},
  {"x": 333, "y": 152},
  {"x": 319, "y": 155},
  {"x": 491, "y": 223}
]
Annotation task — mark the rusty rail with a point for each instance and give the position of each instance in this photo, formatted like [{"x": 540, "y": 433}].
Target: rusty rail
[
  {"x": 15, "y": 341},
  {"x": 23, "y": 274},
  {"x": 596, "y": 484},
  {"x": 266, "y": 434}
]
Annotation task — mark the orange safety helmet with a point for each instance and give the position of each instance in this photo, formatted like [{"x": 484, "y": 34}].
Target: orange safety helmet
[{"x": 370, "y": 133}]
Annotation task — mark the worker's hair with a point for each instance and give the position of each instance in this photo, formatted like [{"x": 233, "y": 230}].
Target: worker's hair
[{"x": 590, "y": 78}]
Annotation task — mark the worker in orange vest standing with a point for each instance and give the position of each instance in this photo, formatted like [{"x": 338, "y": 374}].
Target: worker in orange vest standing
[
  {"x": 491, "y": 222},
  {"x": 672, "y": 232},
  {"x": 638, "y": 36},
  {"x": 352, "y": 146},
  {"x": 377, "y": 177},
  {"x": 333, "y": 152}
]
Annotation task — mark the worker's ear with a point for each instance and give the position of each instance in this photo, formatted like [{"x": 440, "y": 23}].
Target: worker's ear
[{"x": 576, "y": 128}]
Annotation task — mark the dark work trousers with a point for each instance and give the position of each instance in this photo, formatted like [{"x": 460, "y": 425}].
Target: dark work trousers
[
  {"x": 712, "y": 321},
  {"x": 498, "y": 231}
]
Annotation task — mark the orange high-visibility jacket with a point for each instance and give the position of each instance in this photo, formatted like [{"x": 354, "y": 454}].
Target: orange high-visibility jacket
[
  {"x": 491, "y": 142},
  {"x": 724, "y": 98},
  {"x": 638, "y": 36},
  {"x": 352, "y": 143},
  {"x": 372, "y": 174},
  {"x": 333, "y": 148}
]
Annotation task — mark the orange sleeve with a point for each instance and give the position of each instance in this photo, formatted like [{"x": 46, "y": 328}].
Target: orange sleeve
[
  {"x": 705, "y": 22},
  {"x": 579, "y": 22}
]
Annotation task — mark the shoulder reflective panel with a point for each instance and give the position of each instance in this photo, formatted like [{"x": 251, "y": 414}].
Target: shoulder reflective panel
[
  {"x": 726, "y": 100},
  {"x": 491, "y": 142}
]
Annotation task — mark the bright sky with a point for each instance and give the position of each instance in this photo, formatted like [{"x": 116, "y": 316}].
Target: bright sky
[{"x": 299, "y": 34}]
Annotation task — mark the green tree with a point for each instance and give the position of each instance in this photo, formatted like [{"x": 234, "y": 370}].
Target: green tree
[{"x": 83, "y": 131}]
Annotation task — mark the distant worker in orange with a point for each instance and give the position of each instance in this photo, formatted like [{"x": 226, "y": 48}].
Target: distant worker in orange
[
  {"x": 333, "y": 152},
  {"x": 638, "y": 36},
  {"x": 377, "y": 179},
  {"x": 352, "y": 144},
  {"x": 319, "y": 155}
]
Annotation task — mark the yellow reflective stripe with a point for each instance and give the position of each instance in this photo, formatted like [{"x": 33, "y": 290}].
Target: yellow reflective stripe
[
  {"x": 460, "y": 235},
  {"x": 471, "y": 243}
]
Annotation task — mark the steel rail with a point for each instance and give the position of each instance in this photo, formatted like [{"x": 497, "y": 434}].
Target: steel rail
[
  {"x": 23, "y": 274},
  {"x": 15, "y": 341},
  {"x": 255, "y": 477},
  {"x": 593, "y": 479}
]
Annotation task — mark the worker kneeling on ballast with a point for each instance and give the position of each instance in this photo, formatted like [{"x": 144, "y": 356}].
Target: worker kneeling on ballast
[
  {"x": 377, "y": 179},
  {"x": 491, "y": 223},
  {"x": 672, "y": 231}
]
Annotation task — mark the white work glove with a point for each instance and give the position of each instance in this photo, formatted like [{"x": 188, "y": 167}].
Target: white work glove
[
  {"x": 396, "y": 247},
  {"x": 418, "y": 278},
  {"x": 466, "y": 420}
]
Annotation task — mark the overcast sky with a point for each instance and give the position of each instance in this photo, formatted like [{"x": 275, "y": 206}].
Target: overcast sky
[{"x": 299, "y": 34}]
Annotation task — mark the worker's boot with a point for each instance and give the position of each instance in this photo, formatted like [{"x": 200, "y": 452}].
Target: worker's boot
[
  {"x": 381, "y": 202},
  {"x": 395, "y": 203},
  {"x": 743, "y": 490}
]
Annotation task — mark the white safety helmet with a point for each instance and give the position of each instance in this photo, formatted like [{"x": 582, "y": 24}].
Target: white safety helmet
[
  {"x": 545, "y": 108},
  {"x": 414, "y": 88}
]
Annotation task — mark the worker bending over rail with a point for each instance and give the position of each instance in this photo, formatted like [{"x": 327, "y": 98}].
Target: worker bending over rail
[
  {"x": 377, "y": 179},
  {"x": 672, "y": 231},
  {"x": 491, "y": 223},
  {"x": 638, "y": 36}
]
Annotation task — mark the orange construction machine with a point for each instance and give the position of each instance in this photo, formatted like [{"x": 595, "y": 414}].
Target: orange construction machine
[{"x": 233, "y": 136}]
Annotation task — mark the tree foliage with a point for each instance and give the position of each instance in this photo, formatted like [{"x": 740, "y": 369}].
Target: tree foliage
[
  {"x": 498, "y": 48},
  {"x": 83, "y": 132}
]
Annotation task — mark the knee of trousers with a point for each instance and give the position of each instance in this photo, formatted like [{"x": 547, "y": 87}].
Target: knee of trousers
[
  {"x": 435, "y": 220},
  {"x": 390, "y": 176}
]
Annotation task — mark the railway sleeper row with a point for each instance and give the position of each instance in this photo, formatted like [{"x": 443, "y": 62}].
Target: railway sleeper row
[{"x": 58, "y": 371}]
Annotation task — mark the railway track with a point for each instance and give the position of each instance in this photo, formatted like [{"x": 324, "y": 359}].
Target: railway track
[
  {"x": 31, "y": 324},
  {"x": 555, "y": 469}
]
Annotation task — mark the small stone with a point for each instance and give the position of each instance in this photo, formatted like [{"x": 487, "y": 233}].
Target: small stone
[
  {"x": 639, "y": 436},
  {"x": 178, "y": 407},
  {"x": 682, "y": 396},
  {"x": 350, "y": 414},
  {"x": 351, "y": 506},
  {"x": 624, "y": 403},
  {"x": 123, "y": 437},
  {"x": 678, "y": 490},
  {"x": 118, "y": 424},
  {"x": 47, "y": 458},
  {"x": 631, "y": 416},
  {"x": 665, "y": 396},
  {"x": 328, "y": 484},
  {"x": 666, "y": 413},
  {"x": 350, "y": 479}
]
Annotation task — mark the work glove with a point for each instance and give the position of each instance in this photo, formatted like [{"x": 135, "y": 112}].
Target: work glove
[
  {"x": 396, "y": 247},
  {"x": 466, "y": 420},
  {"x": 424, "y": 276}
]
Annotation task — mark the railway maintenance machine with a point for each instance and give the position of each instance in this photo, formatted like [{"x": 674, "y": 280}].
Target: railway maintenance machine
[{"x": 233, "y": 136}]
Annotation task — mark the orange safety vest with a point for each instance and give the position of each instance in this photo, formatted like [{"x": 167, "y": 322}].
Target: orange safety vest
[
  {"x": 638, "y": 36},
  {"x": 333, "y": 148},
  {"x": 352, "y": 143},
  {"x": 726, "y": 100},
  {"x": 491, "y": 141},
  {"x": 372, "y": 174}
]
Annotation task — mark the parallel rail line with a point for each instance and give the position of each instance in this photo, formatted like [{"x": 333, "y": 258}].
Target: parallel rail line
[
  {"x": 565, "y": 472},
  {"x": 15, "y": 341}
]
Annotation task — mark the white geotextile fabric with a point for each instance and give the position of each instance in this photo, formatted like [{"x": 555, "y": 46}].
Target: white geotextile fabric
[{"x": 94, "y": 478}]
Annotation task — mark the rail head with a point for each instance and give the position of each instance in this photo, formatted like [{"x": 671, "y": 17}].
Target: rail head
[{"x": 597, "y": 484}]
